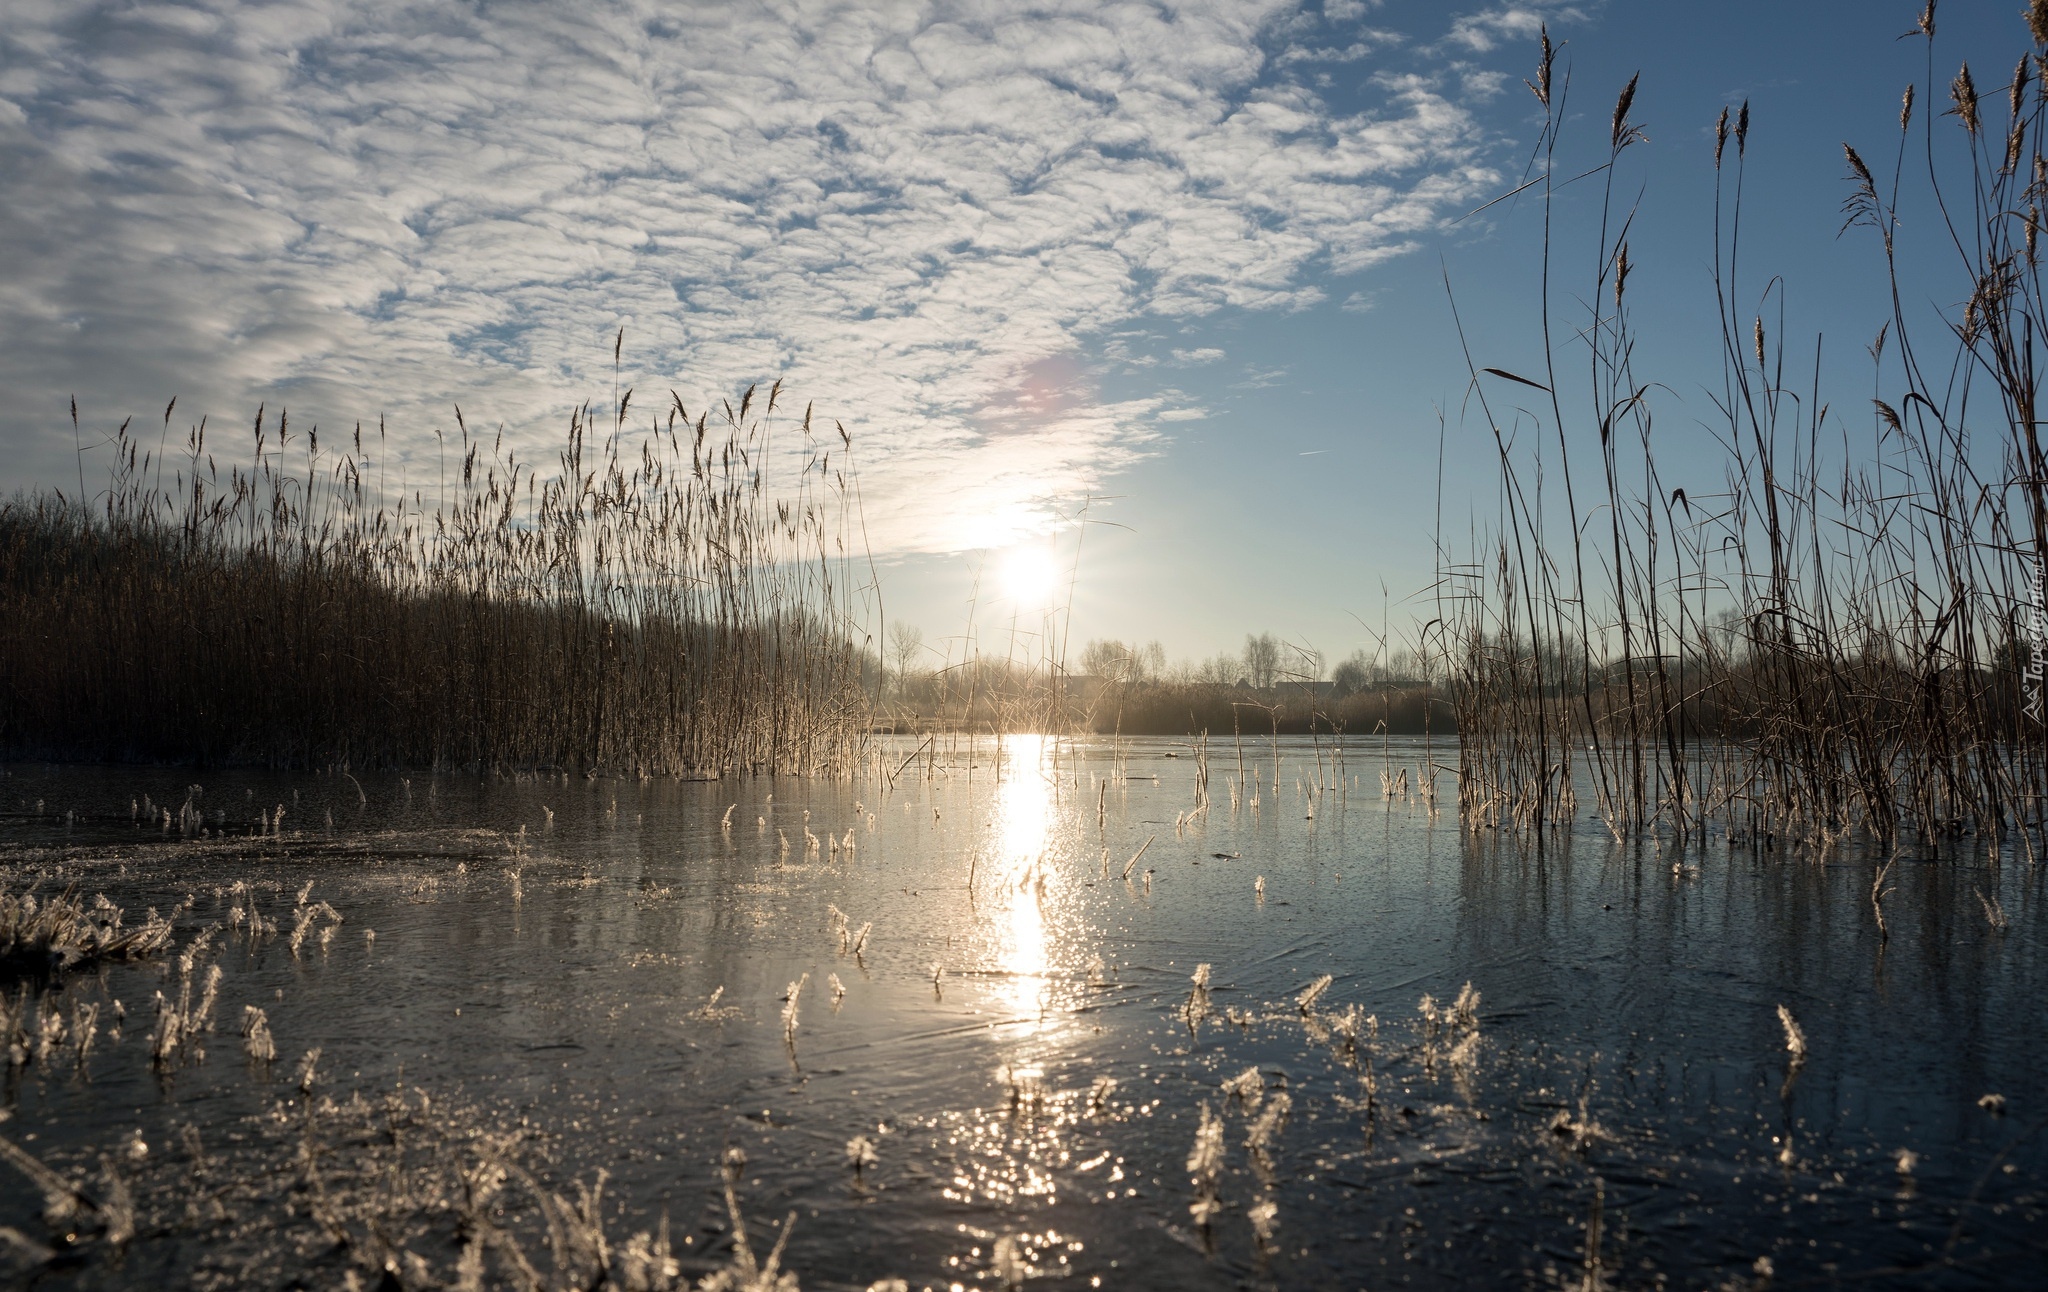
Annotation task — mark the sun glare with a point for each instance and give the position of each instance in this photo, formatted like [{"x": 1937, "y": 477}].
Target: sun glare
[{"x": 1029, "y": 576}]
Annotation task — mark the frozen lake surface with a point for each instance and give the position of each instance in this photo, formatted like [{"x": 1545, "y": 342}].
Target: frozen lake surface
[{"x": 1003, "y": 1023}]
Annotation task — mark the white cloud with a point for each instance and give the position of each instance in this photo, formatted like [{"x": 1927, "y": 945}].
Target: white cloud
[
  {"x": 1205, "y": 354},
  {"x": 922, "y": 215},
  {"x": 1354, "y": 52},
  {"x": 1183, "y": 414},
  {"x": 1260, "y": 378},
  {"x": 1489, "y": 28}
]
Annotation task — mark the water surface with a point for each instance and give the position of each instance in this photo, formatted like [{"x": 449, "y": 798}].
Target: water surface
[{"x": 590, "y": 975}]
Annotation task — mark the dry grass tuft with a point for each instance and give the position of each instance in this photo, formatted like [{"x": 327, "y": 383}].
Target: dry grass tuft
[{"x": 61, "y": 932}]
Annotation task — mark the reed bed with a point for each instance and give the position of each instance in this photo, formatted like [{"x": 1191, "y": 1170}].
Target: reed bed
[
  {"x": 1839, "y": 640},
  {"x": 1176, "y": 709},
  {"x": 997, "y": 695},
  {"x": 679, "y": 597}
]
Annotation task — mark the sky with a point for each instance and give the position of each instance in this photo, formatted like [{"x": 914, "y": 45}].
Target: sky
[{"x": 1163, "y": 289}]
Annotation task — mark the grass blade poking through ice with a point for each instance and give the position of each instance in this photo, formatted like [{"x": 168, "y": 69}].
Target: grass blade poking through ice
[
  {"x": 1247, "y": 1087},
  {"x": 1099, "y": 1092},
  {"x": 1310, "y": 994},
  {"x": 860, "y": 1155},
  {"x": 1197, "y": 1007},
  {"x": 1136, "y": 855},
  {"x": 789, "y": 1010}
]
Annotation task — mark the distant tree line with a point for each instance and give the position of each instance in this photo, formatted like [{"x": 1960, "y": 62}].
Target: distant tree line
[{"x": 1115, "y": 685}]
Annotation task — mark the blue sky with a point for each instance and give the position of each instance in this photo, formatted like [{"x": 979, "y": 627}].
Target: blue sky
[{"x": 1186, "y": 258}]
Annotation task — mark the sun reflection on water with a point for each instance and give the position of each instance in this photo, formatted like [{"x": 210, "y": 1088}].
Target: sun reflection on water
[
  {"x": 1030, "y": 925},
  {"x": 1028, "y": 883}
]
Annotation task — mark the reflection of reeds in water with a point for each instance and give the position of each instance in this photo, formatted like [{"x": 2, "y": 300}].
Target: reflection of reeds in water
[
  {"x": 1994, "y": 911},
  {"x": 649, "y": 606},
  {"x": 1795, "y": 1036},
  {"x": 1835, "y": 640},
  {"x": 33, "y": 1029},
  {"x": 256, "y": 1037},
  {"x": 73, "y": 1213},
  {"x": 1259, "y": 1139},
  {"x": 1205, "y": 1166}
]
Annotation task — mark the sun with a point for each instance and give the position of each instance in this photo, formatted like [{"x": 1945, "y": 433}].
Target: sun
[{"x": 1028, "y": 577}]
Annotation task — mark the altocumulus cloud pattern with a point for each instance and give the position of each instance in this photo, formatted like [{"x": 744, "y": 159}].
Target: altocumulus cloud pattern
[{"x": 926, "y": 216}]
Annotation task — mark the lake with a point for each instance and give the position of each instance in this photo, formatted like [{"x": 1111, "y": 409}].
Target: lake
[{"x": 571, "y": 1028}]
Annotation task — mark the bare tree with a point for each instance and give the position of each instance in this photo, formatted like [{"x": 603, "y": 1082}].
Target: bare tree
[
  {"x": 1261, "y": 659},
  {"x": 1219, "y": 670},
  {"x": 1353, "y": 673},
  {"x": 1111, "y": 660},
  {"x": 1151, "y": 662},
  {"x": 905, "y": 641}
]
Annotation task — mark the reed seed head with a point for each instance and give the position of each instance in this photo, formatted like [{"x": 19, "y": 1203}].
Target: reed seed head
[
  {"x": 1856, "y": 165},
  {"x": 1623, "y": 134},
  {"x": 1963, "y": 92},
  {"x": 1546, "y": 57}
]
